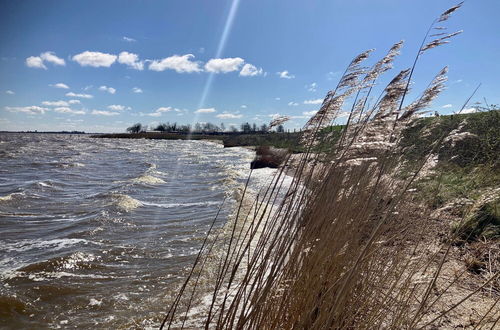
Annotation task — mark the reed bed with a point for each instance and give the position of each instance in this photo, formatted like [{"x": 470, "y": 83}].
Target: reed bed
[{"x": 343, "y": 245}]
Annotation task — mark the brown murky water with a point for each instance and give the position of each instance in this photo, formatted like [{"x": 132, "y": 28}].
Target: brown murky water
[{"x": 95, "y": 233}]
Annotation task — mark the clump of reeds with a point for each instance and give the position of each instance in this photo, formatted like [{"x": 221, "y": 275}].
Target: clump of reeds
[{"x": 343, "y": 245}]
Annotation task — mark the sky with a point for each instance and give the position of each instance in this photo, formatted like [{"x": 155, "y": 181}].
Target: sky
[{"x": 100, "y": 66}]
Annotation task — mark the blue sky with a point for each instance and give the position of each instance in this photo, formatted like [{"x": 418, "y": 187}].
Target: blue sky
[{"x": 237, "y": 60}]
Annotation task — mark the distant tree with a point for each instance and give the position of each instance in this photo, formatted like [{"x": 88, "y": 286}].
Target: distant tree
[
  {"x": 246, "y": 128},
  {"x": 280, "y": 129},
  {"x": 136, "y": 128},
  {"x": 162, "y": 127},
  {"x": 222, "y": 127},
  {"x": 254, "y": 128},
  {"x": 264, "y": 128}
]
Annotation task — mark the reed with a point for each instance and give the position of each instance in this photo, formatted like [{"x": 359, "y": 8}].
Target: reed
[{"x": 343, "y": 245}]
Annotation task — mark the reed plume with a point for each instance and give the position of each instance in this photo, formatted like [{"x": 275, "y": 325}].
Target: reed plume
[{"x": 338, "y": 245}]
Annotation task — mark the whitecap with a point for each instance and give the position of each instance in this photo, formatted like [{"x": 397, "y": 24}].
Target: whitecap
[
  {"x": 125, "y": 202},
  {"x": 148, "y": 179},
  {"x": 172, "y": 205}
]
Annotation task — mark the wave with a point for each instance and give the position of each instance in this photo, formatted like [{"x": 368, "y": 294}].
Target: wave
[
  {"x": 148, "y": 179},
  {"x": 125, "y": 202},
  {"x": 10, "y": 197},
  {"x": 53, "y": 244},
  {"x": 172, "y": 205}
]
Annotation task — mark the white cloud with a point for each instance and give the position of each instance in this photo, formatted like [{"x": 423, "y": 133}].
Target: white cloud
[
  {"x": 118, "y": 107},
  {"x": 312, "y": 87},
  {"x": 74, "y": 102},
  {"x": 285, "y": 75},
  {"x": 244, "y": 106},
  {"x": 178, "y": 63},
  {"x": 165, "y": 109},
  {"x": 131, "y": 60},
  {"x": 136, "y": 90},
  {"x": 277, "y": 98},
  {"x": 127, "y": 39},
  {"x": 224, "y": 65},
  {"x": 332, "y": 75},
  {"x": 52, "y": 58},
  {"x": 309, "y": 113},
  {"x": 55, "y": 103},
  {"x": 69, "y": 110},
  {"x": 95, "y": 59},
  {"x": 292, "y": 104},
  {"x": 60, "y": 85},
  {"x": 39, "y": 61},
  {"x": 154, "y": 114},
  {"x": 227, "y": 115},
  {"x": 206, "y": 110},
  {"x": 32, "y": 110},
  {"x": 250, "y": 70},
  {"x": 104, "y": 113},
  {"x": 447, "y": 106},
  {"x": 9, "y": 92},
  {"x": 469, "y": 110},
  {"x": 35, "y": 62},
  {"x": 110, "y": 90},
  {"x": 316, "y": 101},
  {"x": 82, "y": 96}
]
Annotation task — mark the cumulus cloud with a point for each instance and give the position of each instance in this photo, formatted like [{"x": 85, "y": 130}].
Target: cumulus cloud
[
  {"x": 224, "y": 65},
  {"x": 55, "y": 103},
  {"x": 312, "y": 87},
  {"x": 82, "y": 96},
  {"x": 277, "y": 98},
  {"x": 469, "y": 110},
  {"x": 74, "y": 102},
  {"x": 32, "y": 110},
  {"x": 250, "y": 70},
  {"x": 52, "y": 58},
  {"x": 60, "y": 85},
  {"x": 127, "y": 39},
  {"x": 309, "y": 113},
  {"x": 35, "y": 62},
  {"x": 154, "y": 114},
  {"x": 292, "y": 104},
  {"x": 39, "y": 61},
  {"x": 118, "y": 107},
  {"x": 158, "y": 112},
  {"x": 285, "y": 75},
  {"x": 228, "y": 115},
  {"x": 9, "y": 92},
  {"x": 179, "y": 63},
  {"x": 316, "y": 101},
  {"x": 447, "y": 106},
  {"x": 136, "y": 90},
  {"x": 110, "y": 90},
  {"x": 131, "y": 60},
  {"x": 69, "y": 110},
  {"x": 206, "y": 110},
  {"x": 95, "y": 59},
  {"x": 104, "y": 113},
  {"x": 244, "y": 106},
  {"x": 165, "y": 109}
]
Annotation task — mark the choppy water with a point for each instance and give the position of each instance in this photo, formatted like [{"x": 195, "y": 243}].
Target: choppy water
[{"x": 95, "y": 233}]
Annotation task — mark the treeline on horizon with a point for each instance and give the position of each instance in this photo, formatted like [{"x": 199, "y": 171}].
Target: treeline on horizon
[{"x": 205, "y": 128}]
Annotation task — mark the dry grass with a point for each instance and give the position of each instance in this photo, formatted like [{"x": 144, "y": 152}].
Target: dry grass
[{"x": 343, "y": 245}]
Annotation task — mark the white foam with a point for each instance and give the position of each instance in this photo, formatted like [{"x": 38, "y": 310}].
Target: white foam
[
  {"x": 148, "y": 179},
  {"x": 125, "y": 202},
  {"x": 172, "y": 205},
  {"x": 53, "y": 244}
]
